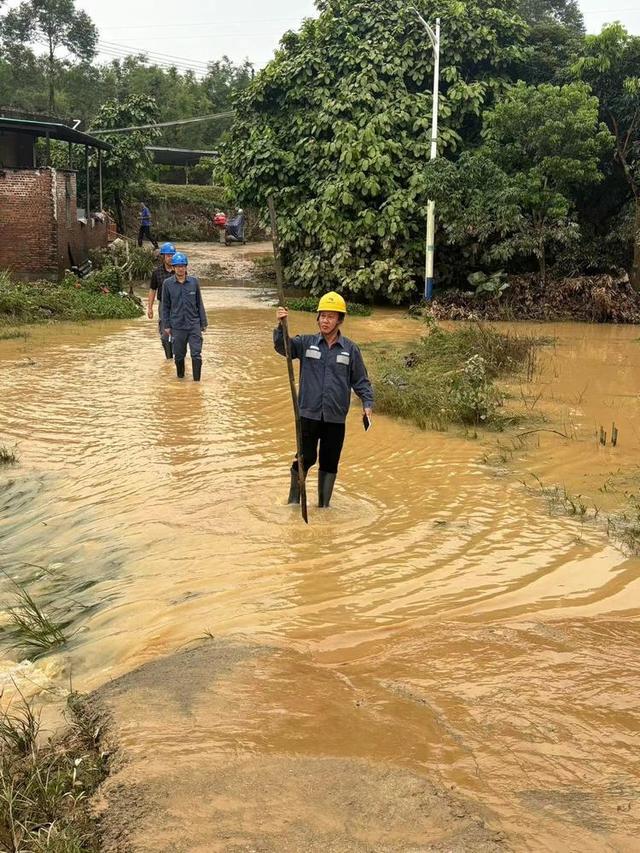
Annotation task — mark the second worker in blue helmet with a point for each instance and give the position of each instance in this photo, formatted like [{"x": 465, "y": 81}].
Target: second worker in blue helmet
[
  {"x": 161, "y": 273},
  {"x": 183, "y": 316}
]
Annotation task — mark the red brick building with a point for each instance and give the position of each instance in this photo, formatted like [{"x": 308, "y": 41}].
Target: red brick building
[{"x": 42, "y": 229}]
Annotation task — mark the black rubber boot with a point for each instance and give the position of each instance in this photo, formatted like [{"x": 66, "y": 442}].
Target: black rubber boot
[
  {"x": 167, "y": 346},
  {"x": 294, "y": 491},
  {"x": 180, "y": 368},
  {"x": 196, "y": 366},
  {"x": 326, "y": 483}
]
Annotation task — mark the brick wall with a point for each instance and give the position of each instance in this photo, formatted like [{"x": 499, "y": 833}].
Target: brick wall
[
  {"x": 39, "y": 230},
  {"x": 28, "y": 235},
  {"x": 75, "y": 239}
]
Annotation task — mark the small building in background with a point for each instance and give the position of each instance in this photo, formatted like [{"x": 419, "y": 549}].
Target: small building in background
[
  {"x": 44, "y": 227},
  {"x": 180, "y": 162}
]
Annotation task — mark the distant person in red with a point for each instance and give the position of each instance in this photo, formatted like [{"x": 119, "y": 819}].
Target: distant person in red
[
  {"x": 220, "y": 221},
  {"x": 145, "y": 226}
]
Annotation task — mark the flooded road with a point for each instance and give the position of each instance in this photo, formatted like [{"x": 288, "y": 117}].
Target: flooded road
[{"x": 436, "y": 619}]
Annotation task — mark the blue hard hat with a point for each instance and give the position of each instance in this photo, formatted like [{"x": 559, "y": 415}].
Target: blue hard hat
[
  {"x": 179, "y": 260},
  {"x": 167, "y": 249}
]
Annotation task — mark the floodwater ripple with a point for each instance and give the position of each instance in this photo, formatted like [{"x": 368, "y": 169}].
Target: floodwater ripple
[{"x": 158, "y": 507}]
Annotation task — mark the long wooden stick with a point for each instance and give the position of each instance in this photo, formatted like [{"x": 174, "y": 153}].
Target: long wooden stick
[{"x": 287, "y": 349}]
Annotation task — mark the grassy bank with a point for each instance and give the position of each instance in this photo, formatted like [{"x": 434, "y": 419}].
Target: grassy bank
[
  {"x": 449, "y": 377},
  {"x": 70, "y": 300},
  {"x": 45, "y": 787}
]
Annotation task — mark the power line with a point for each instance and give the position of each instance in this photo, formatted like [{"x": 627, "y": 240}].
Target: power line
[
  {"x": 124, "y": 51},
  {"x": 156, "y": 60},
  {"x": 185, "y": 59},
  {"x": 227, "y": 114}
]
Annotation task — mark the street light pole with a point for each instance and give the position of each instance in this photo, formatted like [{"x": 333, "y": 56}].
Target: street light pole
[{"x": 434, "y": 38}]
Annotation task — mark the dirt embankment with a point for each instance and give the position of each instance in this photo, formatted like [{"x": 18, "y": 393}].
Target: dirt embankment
[
  {"x": 592, "y": 299},
  {"x": 196, "y": 779}
]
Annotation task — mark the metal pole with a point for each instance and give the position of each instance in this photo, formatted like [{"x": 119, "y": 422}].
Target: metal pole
[
  {"x": 434, "y": 38},
  {"x": 86, "y": 171},
  {"x": 292, "y": 382},
  {"x": 431, "y": 206},
  {"x": 100, "y": 177},
  {"x": 70, "y": 157}
]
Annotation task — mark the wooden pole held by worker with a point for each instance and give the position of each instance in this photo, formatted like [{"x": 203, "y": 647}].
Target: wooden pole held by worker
[{"x": 292, "y": 382}]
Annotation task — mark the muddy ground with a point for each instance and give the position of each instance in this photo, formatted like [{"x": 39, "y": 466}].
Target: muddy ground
[{"x": 167, "y": 793}]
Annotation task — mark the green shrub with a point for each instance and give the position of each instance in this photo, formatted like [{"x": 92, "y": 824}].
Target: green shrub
[
  {"x": 310, "y": 303},
  {"x": 139, "y": 261},
  {"x": 72, "y": 299},
  {"x": 448, "y": 376}
]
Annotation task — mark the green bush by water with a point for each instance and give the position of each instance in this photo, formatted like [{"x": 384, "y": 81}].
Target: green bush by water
[
  {"x": 310, "y": 303},
  {"x": 73, "y": 299},
  {"x": 448, "y": 377}
]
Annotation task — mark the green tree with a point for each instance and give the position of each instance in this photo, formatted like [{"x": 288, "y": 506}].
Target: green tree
[
  {"x": 549, "y": 141},
  {"x": 128, "y": 161},
  {"x": 55, "y": 24},
  {"x": 515, "y": 195},
  {"x": 337, "y": 128},
  {"x": 556, "y": 30},
  {"x": 611, "y": 65}
]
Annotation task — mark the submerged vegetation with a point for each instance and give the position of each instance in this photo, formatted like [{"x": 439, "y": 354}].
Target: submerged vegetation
[
  {"x": 30, "y": 627},
  {"x": 44, "y": 788},
  {"x": 72, "y": 299},
  {"x": 448, "y": 377},
  {"x": 7, "y": 456}
]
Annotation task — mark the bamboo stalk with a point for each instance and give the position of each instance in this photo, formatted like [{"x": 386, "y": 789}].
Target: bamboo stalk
[{"x": 287, "y": 348}]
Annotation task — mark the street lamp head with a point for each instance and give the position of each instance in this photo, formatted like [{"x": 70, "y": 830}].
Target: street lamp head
[{"x": 429, "y": 30}]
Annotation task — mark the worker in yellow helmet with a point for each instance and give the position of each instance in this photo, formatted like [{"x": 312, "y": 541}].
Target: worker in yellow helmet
[{"x": 331, "y": 366}]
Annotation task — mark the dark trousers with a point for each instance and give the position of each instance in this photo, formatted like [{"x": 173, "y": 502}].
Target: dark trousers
[
  {"x": 330, "y": 437},
  {"x": 182, "y": 337},
  {"x": 161, "y": 326},
  {"x": 145, "y": 231}
]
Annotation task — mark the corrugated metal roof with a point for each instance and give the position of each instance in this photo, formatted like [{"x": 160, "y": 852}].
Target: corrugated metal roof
[
  {"x": 54, "y": 129},
  {"x": 178, "y": 156}
]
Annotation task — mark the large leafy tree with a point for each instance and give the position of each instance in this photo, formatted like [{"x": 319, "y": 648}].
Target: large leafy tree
[
  {"x": 514, "y": 196},
  {"x": 337, "y": 128},
  {"x": 55, "y": 24},
  {"x": 556, "y": 30},
  {"x": 128, "y": 160},
  {"x": 611, "y": 65}
]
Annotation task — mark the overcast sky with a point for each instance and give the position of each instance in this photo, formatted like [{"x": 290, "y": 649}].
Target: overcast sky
[{"x": 193, "y": 32}]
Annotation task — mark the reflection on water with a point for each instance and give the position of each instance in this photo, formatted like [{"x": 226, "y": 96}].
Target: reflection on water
[{"x": 491, "y": 643}]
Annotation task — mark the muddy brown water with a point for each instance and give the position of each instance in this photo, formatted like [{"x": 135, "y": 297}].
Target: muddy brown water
[{"x": 437, "y": 620}]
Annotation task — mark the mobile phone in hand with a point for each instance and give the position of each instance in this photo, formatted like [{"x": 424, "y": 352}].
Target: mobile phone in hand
[{"x": 366, "y": 422}]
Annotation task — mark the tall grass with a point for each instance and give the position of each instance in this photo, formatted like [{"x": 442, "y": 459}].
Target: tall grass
[
  {"x": 31, "y": 628},
  {"x": 7, "y": 456},
  {"x": 449, "y": 377},
  {"x": 44, "y": 788}
]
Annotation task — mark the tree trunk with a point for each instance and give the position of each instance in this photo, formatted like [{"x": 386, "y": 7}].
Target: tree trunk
[
  {"x": 634, "y": 276},
  {"x": 52, "y": 94},
  {"x": 542, "y": 260},
  {"x": 119, "y": 211}
]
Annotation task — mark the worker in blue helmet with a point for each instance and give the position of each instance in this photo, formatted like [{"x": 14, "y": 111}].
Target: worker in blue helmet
[
  {"x": 183, "y": 315},
  {"x": 163, "y": 271}
]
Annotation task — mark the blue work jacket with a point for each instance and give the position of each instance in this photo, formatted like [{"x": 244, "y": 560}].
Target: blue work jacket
[
  {"x": 182, "y": 306},
  {"x": 327, "y": 375}
]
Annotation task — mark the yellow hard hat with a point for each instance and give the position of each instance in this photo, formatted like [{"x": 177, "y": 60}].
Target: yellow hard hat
[{"x": 332, "y": 302}]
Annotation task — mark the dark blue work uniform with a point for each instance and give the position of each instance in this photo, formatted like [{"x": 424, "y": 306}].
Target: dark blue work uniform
[
  {"x": 158, "y": 278},
  {"x": 327, "y": 377},
  {"x": 183, "y": 312}
]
